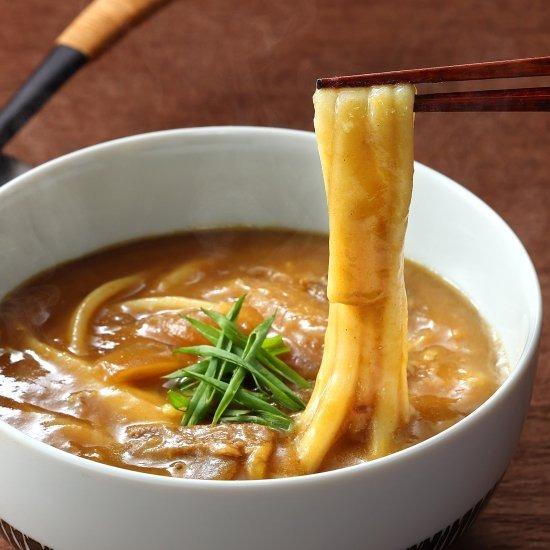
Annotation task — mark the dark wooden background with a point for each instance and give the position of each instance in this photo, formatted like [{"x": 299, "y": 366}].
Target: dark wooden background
[{"x": 203, "y": 62}]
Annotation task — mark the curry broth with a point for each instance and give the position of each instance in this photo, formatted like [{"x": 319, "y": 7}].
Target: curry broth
[{"x": 111, "y": 406}]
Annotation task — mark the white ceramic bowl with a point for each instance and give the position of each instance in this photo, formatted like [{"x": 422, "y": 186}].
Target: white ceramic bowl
[{"x": 187, "y": 179}]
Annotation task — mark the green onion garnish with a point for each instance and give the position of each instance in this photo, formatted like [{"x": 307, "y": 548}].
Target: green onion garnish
[{"x": 236, "y": 371}]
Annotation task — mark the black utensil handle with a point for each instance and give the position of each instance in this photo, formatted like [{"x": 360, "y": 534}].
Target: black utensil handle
[
  {"x": 54, "y": 71},
  {"x": 98, "y": 26}
]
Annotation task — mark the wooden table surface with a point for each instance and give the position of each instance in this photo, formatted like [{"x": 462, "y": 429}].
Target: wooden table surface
[{"x": 255, "y": 61}]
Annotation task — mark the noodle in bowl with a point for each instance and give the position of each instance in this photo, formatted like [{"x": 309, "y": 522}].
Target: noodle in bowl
[{"x": 180, "y": 180}]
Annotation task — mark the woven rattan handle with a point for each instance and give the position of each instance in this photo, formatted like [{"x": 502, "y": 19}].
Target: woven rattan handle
[{"x": 103, "y": 21}]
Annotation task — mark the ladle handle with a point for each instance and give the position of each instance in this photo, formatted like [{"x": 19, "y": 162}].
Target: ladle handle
[
  {"x": 102, "y": 22},
  {"x": 94, "y": 29}
]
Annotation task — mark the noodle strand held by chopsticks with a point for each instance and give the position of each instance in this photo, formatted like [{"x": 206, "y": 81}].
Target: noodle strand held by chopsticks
[{"x": 365, "y": 139}]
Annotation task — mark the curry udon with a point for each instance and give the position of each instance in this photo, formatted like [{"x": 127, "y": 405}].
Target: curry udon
[{"x": 238, "y": 354}]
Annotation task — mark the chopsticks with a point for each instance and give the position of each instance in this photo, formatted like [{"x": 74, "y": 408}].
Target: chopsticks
[
  {"x": 518, "y": 99},
  {"x": 515, "y": 99}
]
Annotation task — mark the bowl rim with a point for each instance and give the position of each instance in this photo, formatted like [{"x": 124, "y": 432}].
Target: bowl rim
[{"x": 334, "y": 476}]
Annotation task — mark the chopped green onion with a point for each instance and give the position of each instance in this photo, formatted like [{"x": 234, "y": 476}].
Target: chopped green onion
[
  {"x": 202, "y": 398},
  {"x": 178, "y": 400},
  {"x": 242, "y": 397},
  {"x": 281, "y": 392},
  {"x": 233, "y": 362},
  {"x": 271, "y": 421},
  {"x": 274, "y": 363},
  {"x": 255, "y": 340}
]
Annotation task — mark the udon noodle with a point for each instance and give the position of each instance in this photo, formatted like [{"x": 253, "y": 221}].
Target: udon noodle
[{"x": 365, "y": 139}]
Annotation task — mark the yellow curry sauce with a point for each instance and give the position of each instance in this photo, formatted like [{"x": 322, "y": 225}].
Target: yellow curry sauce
[{"x": 110, "y": 404}]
